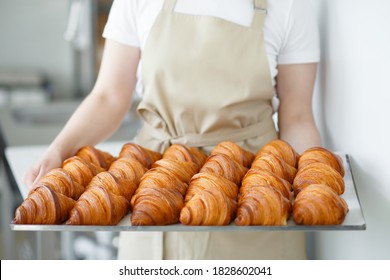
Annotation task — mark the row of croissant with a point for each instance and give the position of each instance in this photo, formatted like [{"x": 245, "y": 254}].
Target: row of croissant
[{"x": 185, "y": 185}]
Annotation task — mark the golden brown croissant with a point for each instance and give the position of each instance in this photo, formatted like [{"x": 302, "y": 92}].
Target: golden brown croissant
[
  {"x": 128, "y": 168},
  {"x": 145, "y": 156},
  {"x": 98, "y": 206},
  {"x": 80, "y": 170},
  {"x": 119, "y": 182},
  {"x": 185, "y": 154},
  {"x": 319, "y": 205},
  {"x": 318, "y": 173},
  {"x": 60, "y": 181},
  {"x": 158, "y": 199},
  {"x": 226, "y": 167},
  {"x": 118, "y": 186},
  {"x": 96, "y": 156},
  {"x": 160, "y": 195},
  {"x": 43, "y": 206},
  {"x": 212, "y": 200},
  {"x": 182, "y": 170},
  {"x": 235, "y": 152},
  {"x": 275, "y": 164},
  {"x": 265, "y": 199},
  {"x": 262, "y": 205},
  {"x": 319, "y": 154},
  {"x": 256, "y": 177},
  {"x": 204, "y": 180},
  {"x": 265, "y": 196},
  {"x": 69, "y": 181},
  {"x": 282, "y": 149}
]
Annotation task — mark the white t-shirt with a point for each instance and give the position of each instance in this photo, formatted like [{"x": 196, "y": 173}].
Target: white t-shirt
[{"x": 290, "y": 29}]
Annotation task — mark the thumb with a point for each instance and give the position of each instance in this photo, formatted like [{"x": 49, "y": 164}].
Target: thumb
[
  {"x": 30, "y": 176},
  {"x": 40, "y": 174}
]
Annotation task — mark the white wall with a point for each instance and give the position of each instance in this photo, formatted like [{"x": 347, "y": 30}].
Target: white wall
[{"x": 353, "y": 112}]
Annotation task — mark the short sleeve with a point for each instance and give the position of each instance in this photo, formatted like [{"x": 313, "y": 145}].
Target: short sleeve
[
  {"x": 301, "y": 38},
  {"x": 121, "y": 25}
]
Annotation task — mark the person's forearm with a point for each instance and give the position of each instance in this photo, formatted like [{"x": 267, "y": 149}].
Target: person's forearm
[
  {"x": 100, "y": 114},
  {"x": 97, "y": 118},
  {"x": 295, "y": 84},
  {"x": 302, "y": 135}
]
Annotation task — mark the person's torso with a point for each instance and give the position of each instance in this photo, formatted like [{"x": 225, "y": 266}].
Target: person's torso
[
  {"x": 206, "y": 80},
  {"x": 236, "y": 11},
  {"x": 202, "y": 79}
]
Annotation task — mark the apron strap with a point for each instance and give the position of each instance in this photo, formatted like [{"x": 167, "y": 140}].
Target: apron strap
[
  {"x": 212, "y": 138},
  {"x": 169, "y": 5},
  {"x": 260, "y": 7}
]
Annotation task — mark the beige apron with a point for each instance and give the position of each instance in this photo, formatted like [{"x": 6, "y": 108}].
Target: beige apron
[{"x": 207, "y": 80}]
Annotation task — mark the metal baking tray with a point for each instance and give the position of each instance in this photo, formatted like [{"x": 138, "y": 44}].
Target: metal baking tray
[{"x": 353, "y": 221}]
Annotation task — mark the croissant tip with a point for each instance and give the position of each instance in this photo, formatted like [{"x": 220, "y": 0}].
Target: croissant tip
[
  {"x": 136, "y": 223},
  {"x": 140, "y": 223},
  {"x": 240, "y": 218},
  {"x": 238, "y": 221},
  {"x": 140, "y": 218},
  {"x": 185, "y": 216},
  {"x": 73, "y": 218}
]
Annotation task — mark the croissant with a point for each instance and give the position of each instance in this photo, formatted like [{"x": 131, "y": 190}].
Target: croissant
[
  {"x": 96, "y": 156},
  {"x": 160, "y": 195},
  {"x": 116, "y": 185},
  {"x": 235, "y": 152},
  {"x": 158, "y": 199},
  {"x": 145, "y": 156},
  {"x": 319, "y": 204},
  {"x": 262, "y": 205},
  {"x": 256, "y": 177},
  {"x": 80, "y": 170},
  {"x": 98, "y": 206},
  {"x": 182, "y": 170},
  {"x": 276, "y": 165},
  {"x": 265, "y": 196},
  {"x": 43, "y": 206},
  {"x": 128, "y": 168},
  {"x": 319, "y": 154},
  {"x": 185, "y": 154},
  {"x": 59, "y": 180},
  {"x": 318, "y": 173},
  {"x": 65, "y": 184},
  {"x": 212, "y": 200},
  {"x": 119, "y": 182},
  {"x": 282, "y": 149},
  {"x": 265, "y": 199},
  {"x": 226, "y": 167}
]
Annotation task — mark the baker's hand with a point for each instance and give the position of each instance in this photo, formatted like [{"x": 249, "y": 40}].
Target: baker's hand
[{"x": 49, "y": 161}]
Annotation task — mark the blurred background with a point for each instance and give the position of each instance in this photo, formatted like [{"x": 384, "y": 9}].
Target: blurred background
[{"x": 50, "y": 51}]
